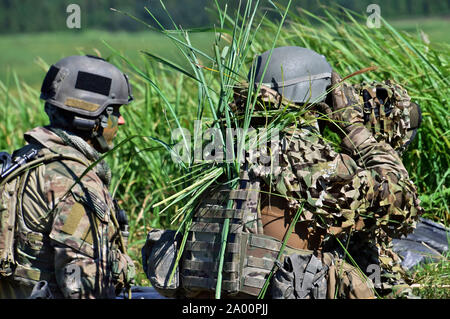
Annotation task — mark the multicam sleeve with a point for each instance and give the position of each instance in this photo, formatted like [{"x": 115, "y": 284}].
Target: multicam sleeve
[
  {"x": 376, "y": 147},
  {"x": 80, "y": 240},
  {"x": 390, "y": 196},
  {"x": 364, "y": 191}
]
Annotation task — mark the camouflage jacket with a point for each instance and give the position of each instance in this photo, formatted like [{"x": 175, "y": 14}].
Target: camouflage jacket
[
  {"x": 66, "y": 235},
  {"x": 361, "y": 196},
  {"x": 364, "y": 189}
]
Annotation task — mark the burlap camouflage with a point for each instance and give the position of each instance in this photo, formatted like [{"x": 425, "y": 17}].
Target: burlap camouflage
[
  {"x": 387, "y": 112},
  {"x": 384, "y": 108},
  {"x": 365, "y": 190},
  {"x": 66, "y": 233}
]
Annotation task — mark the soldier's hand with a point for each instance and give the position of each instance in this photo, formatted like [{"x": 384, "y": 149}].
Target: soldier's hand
[{"x": 347, "y": 110}]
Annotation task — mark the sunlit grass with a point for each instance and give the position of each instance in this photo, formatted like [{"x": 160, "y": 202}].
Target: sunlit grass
[{"x": 144, "y": 172}]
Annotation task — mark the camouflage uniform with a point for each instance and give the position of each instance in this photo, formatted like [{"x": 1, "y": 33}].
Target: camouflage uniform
[
  {"x": 363, "y": 195},
  {"x": 67, "y": 236}
]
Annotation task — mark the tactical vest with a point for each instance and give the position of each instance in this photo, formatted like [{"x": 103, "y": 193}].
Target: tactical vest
[
  {"x": 14, "y": 175},
  {"x": 249, "y": 256},
  {"x": 249, "y": 259}
]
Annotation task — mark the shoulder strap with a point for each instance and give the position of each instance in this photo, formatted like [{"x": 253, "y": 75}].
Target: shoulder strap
[
  {"x": 27, "y": 161},
  {"x": 12, "y": 183}
]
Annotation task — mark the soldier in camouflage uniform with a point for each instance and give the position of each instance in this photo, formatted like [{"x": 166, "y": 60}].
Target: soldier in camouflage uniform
[
  {"x": 359, "y": 198},
  {"x": 356, "y": 199},
  {"x": 69, "y": 230}
]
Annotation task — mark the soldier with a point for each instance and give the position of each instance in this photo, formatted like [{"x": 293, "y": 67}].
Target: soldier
[
  {"x": 352, "y": 202},
  {"x": 70, "y": 233},
  {"x": 359, "y": 198}
]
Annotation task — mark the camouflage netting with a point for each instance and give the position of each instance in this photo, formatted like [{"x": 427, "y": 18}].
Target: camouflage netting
[
  {"x": 367, "y": 190},
  {"x": 392, "y": 123}
]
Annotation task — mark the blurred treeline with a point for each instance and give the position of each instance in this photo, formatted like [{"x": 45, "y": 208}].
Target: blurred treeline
[{"x": 18, "y": 16}]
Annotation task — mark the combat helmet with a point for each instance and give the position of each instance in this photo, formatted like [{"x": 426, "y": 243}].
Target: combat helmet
[
  {"x": 81, "y": 92},
  {"x": 85, "y": 85},
  {"x": 298, "y": 74}
]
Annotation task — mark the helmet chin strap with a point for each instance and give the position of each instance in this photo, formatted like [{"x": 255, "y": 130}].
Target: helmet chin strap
[
  {"x": 96, "y": 128},
  {"x": 83, "y": 124},
  {"x": 98, "y": 133}
]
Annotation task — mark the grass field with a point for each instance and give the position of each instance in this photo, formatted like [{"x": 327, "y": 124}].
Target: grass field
[
  {"x": 20, "y": 52},
  {"x": 143, "y": 170},
  {"x": 436, "y": 29}
]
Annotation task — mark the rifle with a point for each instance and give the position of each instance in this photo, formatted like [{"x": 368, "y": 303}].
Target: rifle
[{"x": 8, "y": 166}]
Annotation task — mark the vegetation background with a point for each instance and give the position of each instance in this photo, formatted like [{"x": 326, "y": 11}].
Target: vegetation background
[
  {"x": 33, "y": 35},
  {"x": 30, "y": 16}
]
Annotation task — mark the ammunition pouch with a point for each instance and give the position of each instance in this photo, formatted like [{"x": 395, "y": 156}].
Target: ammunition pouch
[
  {"x": 300, "y": 277},
  {"x": 251, "y": 262},
  {"x": 245, "y": 271},
  {"x": 159, "y": 255},
  {"x": 249, "y": 258}
]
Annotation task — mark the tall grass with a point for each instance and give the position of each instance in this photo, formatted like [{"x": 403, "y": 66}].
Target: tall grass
[
  {"x": 214, "y": 96},
  {"x": 349, "y": 45},
  {"x": 432, "y": 280},
  {"x": 420, "y": 67},
  {"x": 158, "y": 192}
]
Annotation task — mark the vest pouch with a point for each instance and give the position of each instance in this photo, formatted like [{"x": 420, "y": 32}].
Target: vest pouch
[
  {"x": 261, "y": 252},
  {"x": 158, "y": 260},
  {"x": 8, "y": 201},
  {"x": 300, "y": 277},
  {"x": 346, "y": 281}
]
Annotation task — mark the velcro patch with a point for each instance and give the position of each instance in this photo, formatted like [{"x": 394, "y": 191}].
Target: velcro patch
[
  {"x": 93, "y": 202},
  {"x": 93, "y": 83},
  {"x": 80, "y": 104},
  {"x": 73, "y": 219}
]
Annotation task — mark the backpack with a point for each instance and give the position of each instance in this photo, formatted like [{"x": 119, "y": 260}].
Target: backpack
[{"x": 14, "y": 170}]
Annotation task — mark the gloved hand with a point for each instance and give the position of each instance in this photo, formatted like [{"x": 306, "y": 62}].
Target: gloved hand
[
  {"x": 347, "y": 109},
  {"x": 346, "y": 112}
]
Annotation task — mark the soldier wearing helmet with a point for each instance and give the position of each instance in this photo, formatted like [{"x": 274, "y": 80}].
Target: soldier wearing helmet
[
  {"x": 71, "y": 235},
  {"x": 352, "y": 202},
  {"x": 361, "y": 197}
]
